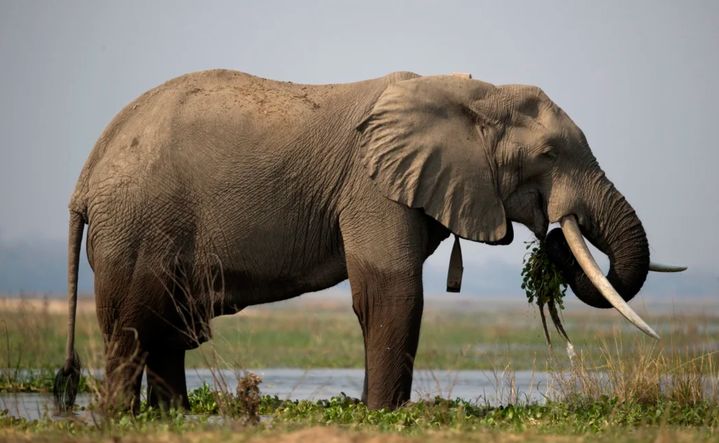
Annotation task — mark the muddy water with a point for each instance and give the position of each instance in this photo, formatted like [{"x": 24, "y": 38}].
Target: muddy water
[{"x": 313, "y": 384}]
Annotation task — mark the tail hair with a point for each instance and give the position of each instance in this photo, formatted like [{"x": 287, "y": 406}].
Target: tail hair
[{"x": 67, "y": 383}]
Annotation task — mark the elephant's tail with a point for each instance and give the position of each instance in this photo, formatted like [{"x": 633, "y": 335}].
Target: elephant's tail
[{"x": 67, "y": 379}]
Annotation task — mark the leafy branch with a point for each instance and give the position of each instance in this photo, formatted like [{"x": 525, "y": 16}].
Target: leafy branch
[{"x": 543, "y": 284}]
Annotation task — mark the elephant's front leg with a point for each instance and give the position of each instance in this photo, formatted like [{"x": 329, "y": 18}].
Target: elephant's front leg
[
  {"x": 389, "y": 309},
  {"x": 385, "y": 250}
]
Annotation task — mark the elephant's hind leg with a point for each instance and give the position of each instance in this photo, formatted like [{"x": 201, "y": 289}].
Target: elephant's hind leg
[
  {"x": 123, "y": 373},
  {"x": 166, "y": 385}
]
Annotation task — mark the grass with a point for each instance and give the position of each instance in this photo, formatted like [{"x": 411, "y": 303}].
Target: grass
[
  {"x": 311, "y": 335},
  {"x": 621, "y": 387},
  {"x": 604, "y": 418}
]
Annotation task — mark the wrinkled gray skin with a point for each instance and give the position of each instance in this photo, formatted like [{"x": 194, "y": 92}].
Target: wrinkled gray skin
[{"x": 219, "y": 190}]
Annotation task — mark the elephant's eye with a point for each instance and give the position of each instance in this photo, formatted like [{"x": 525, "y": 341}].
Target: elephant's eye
[{"x": 548, "y": 152}]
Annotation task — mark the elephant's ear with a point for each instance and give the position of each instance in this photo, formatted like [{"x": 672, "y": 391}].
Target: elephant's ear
[{"x": 426, "y": 145}]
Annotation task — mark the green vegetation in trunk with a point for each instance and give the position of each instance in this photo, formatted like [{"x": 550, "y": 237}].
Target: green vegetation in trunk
[{"x": 543, "y": 284}]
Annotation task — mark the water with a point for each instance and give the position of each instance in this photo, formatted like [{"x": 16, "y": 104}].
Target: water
[{"x": 485, "y": 387}]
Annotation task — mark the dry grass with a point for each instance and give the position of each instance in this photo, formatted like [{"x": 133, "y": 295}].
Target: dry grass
[
  {"x": 324, "y": 333},
  {"x": 650, "y": 375}
]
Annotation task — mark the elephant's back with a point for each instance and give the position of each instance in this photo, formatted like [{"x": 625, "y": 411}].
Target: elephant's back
[
  {"x": 201, "y": 101},
  {"x": 152, "y": 129},
  {"x": 201, "y": 119}
]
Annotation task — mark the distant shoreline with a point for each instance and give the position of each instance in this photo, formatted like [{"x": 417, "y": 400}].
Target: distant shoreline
[
  {"x": 340, "y": 300},
  {"x": 49, "y": 305}
]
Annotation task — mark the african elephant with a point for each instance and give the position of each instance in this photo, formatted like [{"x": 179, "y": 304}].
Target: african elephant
[{"x": 219, "y": 190}]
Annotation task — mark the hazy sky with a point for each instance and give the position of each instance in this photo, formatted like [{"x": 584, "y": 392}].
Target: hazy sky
[{"x": 640, "y": 78}]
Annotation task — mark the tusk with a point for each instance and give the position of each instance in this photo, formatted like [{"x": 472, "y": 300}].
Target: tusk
[
  {"x": 658, "y": 267},
  {"x": 596, "y": 276}
]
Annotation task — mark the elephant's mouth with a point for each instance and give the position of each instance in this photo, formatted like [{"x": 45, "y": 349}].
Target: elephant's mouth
[
  {"x": 528, "y": 208},
  {"x": 541, "y": 224},
  {"x": 567, "y": 248}
]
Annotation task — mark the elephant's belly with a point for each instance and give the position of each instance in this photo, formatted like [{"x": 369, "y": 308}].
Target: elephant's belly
[{"x": 246, "y": 288}]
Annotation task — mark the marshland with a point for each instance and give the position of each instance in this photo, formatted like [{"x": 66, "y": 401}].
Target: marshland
[{"x": 480, "y": 373}]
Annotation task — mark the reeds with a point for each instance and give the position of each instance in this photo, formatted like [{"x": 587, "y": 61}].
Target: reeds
[
  {"x": 649, "y": 374},
  {"x": 681, "y": 369}
]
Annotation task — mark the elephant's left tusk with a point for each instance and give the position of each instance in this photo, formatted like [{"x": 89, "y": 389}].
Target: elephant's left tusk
[
  {"x": 658, "y": 267},
  {"x": 581, "y": 252}
]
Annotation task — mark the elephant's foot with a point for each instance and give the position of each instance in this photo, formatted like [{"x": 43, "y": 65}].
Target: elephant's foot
[{"x": 166, "y": 384}]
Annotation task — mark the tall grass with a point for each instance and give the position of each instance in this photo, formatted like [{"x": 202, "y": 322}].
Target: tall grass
[
  {"x": 620, "y": 386},
  {"x": 612, "y": 363},
  {"x": 649, "y": 375},
  {"x": 312, "y": 334}
]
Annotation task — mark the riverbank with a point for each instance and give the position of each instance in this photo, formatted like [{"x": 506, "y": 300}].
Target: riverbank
[{"x": 621, "y": 386}]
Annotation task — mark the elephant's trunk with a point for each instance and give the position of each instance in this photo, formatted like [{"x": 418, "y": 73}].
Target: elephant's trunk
[{"x": 614, "y": 228}]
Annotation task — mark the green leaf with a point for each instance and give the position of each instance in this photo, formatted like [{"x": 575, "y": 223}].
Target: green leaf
[{"x": 542, "y": 282}]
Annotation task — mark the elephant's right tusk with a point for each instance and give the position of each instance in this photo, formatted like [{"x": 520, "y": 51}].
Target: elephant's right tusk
[
  {"x": 581, "y": 252},
  {"x": 658, "y": 267}
]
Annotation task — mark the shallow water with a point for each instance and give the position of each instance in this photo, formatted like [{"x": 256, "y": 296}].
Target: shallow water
[{"x": 489, "y": 387}]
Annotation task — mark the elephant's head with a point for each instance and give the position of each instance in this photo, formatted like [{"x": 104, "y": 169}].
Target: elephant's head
[{"x": 476, "y": 157}]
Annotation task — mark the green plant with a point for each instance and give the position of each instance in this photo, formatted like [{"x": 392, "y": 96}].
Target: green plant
[
  {"x": 245, "y": 404},
  {"x": 36, "y": 380},
  {"x": 203, "y": 400},
  {"x": 543, "y": 284}
]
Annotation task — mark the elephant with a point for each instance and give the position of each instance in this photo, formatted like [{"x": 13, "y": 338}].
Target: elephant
[{"x": 220, "y": 190}]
